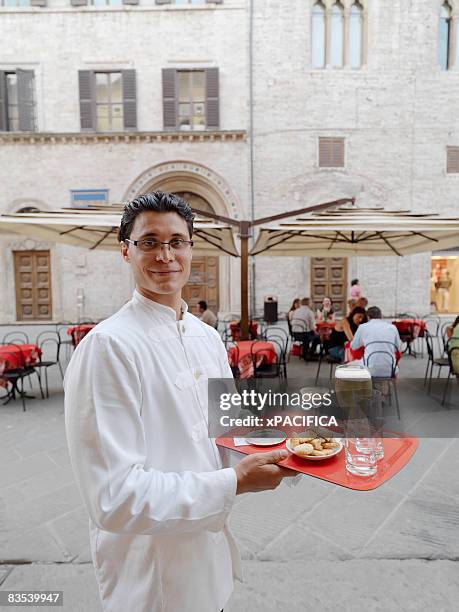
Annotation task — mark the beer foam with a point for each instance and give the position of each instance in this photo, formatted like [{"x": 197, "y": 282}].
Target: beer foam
[{"x": 352, "y": 372}]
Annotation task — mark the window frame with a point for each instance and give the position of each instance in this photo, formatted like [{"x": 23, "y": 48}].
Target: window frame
[
  {"x": 191, "y": 102},
  {"x": 108, "y": 103}
]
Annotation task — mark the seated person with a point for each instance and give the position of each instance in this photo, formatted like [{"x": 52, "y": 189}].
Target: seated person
[
  {"x": 325, "y": 312},
  {"x": 387, "y": 336},
  {"x": 362, "y": 302},
  {"x": 345, "y": 330},
  {"x": 450, "y": 330},
  {"x": 453, "y": 342},
  {"x": 351, "y": 304},
  {"x": 295, "y": 305},
  {"x": 206, "y": 315},
  {"x": 303, "y": 325}
]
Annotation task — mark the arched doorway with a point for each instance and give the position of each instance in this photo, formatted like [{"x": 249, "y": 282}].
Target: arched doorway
[{"x": 204, "y": 282}]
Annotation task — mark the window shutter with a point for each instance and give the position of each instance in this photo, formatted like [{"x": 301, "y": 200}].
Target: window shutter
[
  {"x": 79, "y": 2},
  {"x": 26, "y": 107},
  {"x": 169, "y": 99},
  {"x": 3, "y": 113},
  {"x": 163, "y": 1},
  {"x": 214, "y": 1},
  {"x": 452, "y": 160},
  {"x": 130, "y": 1},
  {"x": 331, "y": 152},
  {"x": 37, "y": 2},
  {"x": 87, "y": 100},
  {"x": 129, "y": 100},
  {"x": 212, "y": 104}
]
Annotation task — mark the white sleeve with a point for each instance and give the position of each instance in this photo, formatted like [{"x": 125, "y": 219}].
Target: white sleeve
[
  {"x": 106, "y": 440},
  {"x": 357, "y": 340}
]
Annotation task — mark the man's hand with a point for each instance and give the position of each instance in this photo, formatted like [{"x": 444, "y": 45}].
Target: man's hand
[{"x": 259, "y": 472}]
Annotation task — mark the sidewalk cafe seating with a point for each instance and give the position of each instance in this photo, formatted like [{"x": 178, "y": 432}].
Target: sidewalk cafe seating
[
  {"x": 15, "y": 337},
  {"x": 281, "y": 337},
  {"x": 440, "y": 362},
  {"x": 432, "y": 325},
  {"x": 390, "y": 357},
  {"x": 453, "y": 360},
  {"x": 49, "y": 343},
  {"x": 15, "y": 366},
  {"x": 267, "y": 368}
]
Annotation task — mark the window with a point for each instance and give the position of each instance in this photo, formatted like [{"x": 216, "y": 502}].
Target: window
[
  {"x": 17, "y": 104},
  {"x": 355, "y": 35},
  {"x": 85, "y": 197},
  {"x": 190, "y": 99},
  {"x": 105, "y": 2},
  {"x": 331, "y": 152},
  {"x": 14, "y": 2},
  {"x": 185, "y": 2},
  {"x": 318, "y": 35},
  {"x": 444, "y": 47},
  {"x": 452, "y": 160},
  {"x": 338, "y": 35},
  {"x": 108, "y": 100},
  {"x": 190, "y": 2}
]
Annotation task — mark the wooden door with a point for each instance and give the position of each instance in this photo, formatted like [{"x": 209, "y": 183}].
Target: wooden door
[
  {"x": 329, "y": 279},
  {"x": 32, "y": 272},
  {"x": 203, "y": 284}
]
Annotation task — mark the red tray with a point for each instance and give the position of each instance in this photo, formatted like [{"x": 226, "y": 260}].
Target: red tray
[{"x": 397, "y": 453}]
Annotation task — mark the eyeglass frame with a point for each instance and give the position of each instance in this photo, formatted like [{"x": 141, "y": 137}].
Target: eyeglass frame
[{"x": 156, "y": 242}]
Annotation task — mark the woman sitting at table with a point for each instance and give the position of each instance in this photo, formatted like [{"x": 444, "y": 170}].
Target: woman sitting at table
[
  {"x": 325, "y": 312},
  {"x": 344, "y": 331},
  {"x": 295, "y": 305}
]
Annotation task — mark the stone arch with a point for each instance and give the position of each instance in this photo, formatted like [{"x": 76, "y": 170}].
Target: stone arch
[
  {"x": 185, "y": 176},
  {"x": 27, "y": 203}
]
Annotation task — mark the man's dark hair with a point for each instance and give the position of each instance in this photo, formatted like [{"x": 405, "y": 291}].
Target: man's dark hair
[
  {"x": 202, "y": 304},
  {"x": 354, "y": 281},
  {"x": 156, "y": 201},
  {"x": 374, "y": 312},
  {"x": 305, "y": 302}
]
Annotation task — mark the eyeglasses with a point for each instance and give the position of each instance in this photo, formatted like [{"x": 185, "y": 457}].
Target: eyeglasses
[{"x": 153, "y": 246}]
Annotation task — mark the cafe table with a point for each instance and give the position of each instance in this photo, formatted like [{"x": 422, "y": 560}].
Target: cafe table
[
  {"x": 409, "y": 330},
  {"x": 15, "y": 357},
  {"x": 241, "y": 355},
  {"x": 78, "y": 332}
]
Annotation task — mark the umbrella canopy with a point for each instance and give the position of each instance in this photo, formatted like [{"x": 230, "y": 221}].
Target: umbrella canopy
[
  {"x": 98, "y": 229},
  {"x": 347, "y": 232}
]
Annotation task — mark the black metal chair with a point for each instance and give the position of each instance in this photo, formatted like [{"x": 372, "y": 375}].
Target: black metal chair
[
  {"x": 263, "y": 369},
  {"x": 388, "y": 362},
  {"x": 433, "y": 327},
  {"x": 453, "y": 359},
  {"x": 444, "y": 337},
  {"x": 65, "y": 341},
  {"x": 49, "y": 344},
  {"x": 16, "y": 337},
  {"x": 440, "y": 362},
  {"x": 280, "y": 336},
  {"x": 325, "y": 356},
  {"x": 234, "y": 363}
]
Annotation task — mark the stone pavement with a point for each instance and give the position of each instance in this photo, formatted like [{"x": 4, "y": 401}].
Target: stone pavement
[{"x": 310, "y": 545}]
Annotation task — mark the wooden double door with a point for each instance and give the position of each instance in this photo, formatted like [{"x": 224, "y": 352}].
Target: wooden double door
[
  {"x": 329, "y": 279},
  {"x": 203, "y": 284},
  {"x": 32, "y": 272}
]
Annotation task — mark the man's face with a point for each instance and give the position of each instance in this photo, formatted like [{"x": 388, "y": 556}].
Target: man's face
[{"x": 163, "y": 272}]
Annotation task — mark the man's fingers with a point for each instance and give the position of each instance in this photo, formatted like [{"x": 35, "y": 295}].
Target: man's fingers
[{"x": 273, "y": 456}]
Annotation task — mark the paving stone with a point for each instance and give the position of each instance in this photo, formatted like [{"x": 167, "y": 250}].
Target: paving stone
[
  {"x": 350, "y": 586},
  {"x": 17, "y": 471},
  {"x": 427, "y": 454},
  {"x": 73, "y": 532},
  {"x": 261, "y": 516},
  {"x": 44, "y": 483},
  {"x": 444, "y": 474},
  {"x": 4, "y": 571},
  {"x": 8, "y": 454},
  {"x": 76, "y": 580},
  {"x": 61, "y": 457},
  {"x": 40, "y": 510},
  {"x": 349, "y": 518},
  {"x": 36, "y": 544},
  {"x": 425, "y": 526}
]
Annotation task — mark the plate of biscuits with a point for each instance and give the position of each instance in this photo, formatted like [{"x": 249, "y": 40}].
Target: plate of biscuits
[{"x": 313, "y": 446}]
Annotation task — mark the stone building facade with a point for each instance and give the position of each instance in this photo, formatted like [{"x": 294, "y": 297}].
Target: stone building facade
[{"x": 250, "y": 147}]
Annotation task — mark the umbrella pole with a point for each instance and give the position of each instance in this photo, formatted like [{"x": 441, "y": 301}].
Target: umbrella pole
[{"x": 244, "y": 236}]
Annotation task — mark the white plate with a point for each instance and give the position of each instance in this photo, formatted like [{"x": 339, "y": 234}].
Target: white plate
[
  {"x": 312, "y": 457},
  {"x": 258, "y": 438}
]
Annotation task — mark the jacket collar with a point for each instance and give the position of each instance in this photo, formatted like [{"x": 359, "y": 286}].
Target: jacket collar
[{"x": 159, "y": 311}]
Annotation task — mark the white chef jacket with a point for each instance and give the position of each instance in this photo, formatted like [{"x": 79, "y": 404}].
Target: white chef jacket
[{"x": 150, "y": 477}]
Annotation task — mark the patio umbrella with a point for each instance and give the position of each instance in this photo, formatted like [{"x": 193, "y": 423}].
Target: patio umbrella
[
  {"x": 98, "y": 229},
  {"x": 348, "y": 232}
]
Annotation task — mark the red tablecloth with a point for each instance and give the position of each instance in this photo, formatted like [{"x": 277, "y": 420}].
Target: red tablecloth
[
  {"x": 410, "y": 327},
  {"x": 352, "y": 355},
  {"x": 235, "y": 329},
  {"x": 264, "y": 351},
  {"x": 78, "y": 332},
  {"x": 324, "y": 328},
  {"x": 12, "y": 355}
]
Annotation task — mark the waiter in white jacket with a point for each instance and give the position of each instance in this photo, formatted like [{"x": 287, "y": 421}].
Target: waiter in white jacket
[{"x": 136, "y": 418}]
